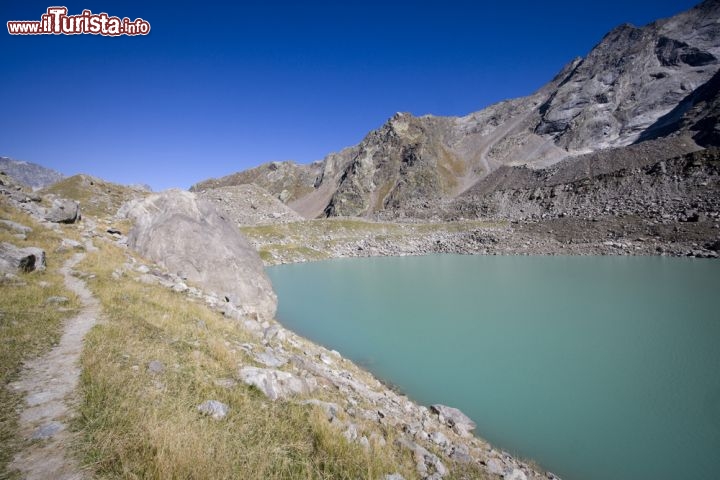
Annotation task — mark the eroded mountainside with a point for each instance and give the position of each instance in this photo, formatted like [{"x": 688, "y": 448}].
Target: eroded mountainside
[
  {"x": 638, "y": 83},
  {"x": 29, "y": 174}
]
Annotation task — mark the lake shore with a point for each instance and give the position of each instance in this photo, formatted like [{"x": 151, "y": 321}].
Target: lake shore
[{"x": 609, "y": 235}]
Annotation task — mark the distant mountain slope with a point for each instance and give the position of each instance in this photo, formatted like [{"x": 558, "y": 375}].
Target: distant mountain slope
[
  {"x": 636, "y": 84},
  {"x": 249, "y": 205},
  {"x": 30, "y": 174}
]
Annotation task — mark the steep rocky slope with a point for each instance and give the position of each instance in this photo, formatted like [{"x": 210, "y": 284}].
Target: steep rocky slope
[
  {"x": 249, "y": 205},
  {"x": 636, "y": 84}
]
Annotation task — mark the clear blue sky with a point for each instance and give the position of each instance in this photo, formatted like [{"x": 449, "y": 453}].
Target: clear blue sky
[{"x": 218, "y": 87}]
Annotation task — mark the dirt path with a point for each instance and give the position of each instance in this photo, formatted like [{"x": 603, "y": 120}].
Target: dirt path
[{"x": 49, "y": 383}]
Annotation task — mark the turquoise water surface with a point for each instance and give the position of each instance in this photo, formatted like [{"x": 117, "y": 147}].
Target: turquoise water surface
[{"x": 595, "y": 367}]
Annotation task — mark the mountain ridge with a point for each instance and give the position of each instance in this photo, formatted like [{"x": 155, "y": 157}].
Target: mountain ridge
[
  {"x": 630, "y": 80},
  {"x": 29, "y": 174}
]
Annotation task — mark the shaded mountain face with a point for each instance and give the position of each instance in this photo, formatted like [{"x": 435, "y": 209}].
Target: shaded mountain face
[
  {"x": 636, "y": 84},
  {"x": 29, "y": 174}
]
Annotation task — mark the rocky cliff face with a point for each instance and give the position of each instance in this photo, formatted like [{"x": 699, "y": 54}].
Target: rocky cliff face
[
  {"x": 638, "y": 83},
  {"x": 631, "y": 79}
]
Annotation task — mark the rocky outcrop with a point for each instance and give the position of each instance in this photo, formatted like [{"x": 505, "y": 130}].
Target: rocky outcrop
[
  {"x": 638, "y": 83},
  {"x": 276, "y": 384},
  {"x": 14, "y": 259},
  {"x": 187, "y": 236},
  {"x": 249, "y": 204},
  {"x": 454, "y": 418}
]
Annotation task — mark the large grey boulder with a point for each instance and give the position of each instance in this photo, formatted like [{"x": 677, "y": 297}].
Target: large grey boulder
[
  {"x": 63, "y": 211},
  {"x": 187, "y": 236},
  {"x": 25, "y": 259}
]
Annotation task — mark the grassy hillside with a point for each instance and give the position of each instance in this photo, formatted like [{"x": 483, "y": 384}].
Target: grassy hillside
[
  {"x": 97, "y": 197},
  {"x": 139, "y": 424}
]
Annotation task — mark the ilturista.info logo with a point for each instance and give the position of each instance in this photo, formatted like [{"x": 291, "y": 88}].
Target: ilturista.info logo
[{"x": 56, "y": 21}]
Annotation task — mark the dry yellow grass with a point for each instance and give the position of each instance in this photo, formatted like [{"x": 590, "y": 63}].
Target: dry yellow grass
[
  {"x": 28, "y": 326},
  {"x": 136, "y": 424}
]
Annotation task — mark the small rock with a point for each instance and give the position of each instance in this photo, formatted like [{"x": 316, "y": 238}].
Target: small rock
[
  {"x": 225, "y": 383},
  {"x": 274, "y": 332},
  {"x": 68, "y": 243},
  {"x": 495, "y": 466},
  {"x": 439, "y": 439},
  {"x": 56, "y": 300},
  {"x": 461, "y": 454},
  {"x": 47, "y": 431},
  {"x": 215, "y": 409},
  {"x": 270, "y": 359},
  {"x": 156, "y": 366},
  {"x": 453, "y": 418},
  {"x": 351, "y": 434},
  {"x": 331, "y": 409},
  {"x": 516, "y": 474},
  {"x": 394, "y": 476},
  {"x": 326, "y": 359}
]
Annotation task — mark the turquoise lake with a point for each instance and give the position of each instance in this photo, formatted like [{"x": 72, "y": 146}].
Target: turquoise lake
[{"x": 595, "y": 367}]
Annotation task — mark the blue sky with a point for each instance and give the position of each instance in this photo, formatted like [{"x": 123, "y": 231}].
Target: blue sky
[{"x": 218, "y": 87}]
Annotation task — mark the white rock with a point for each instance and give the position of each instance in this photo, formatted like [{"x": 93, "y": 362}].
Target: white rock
[{"x": 215, "y": 409}]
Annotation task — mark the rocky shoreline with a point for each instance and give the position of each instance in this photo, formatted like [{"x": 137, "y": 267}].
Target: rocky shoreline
[{"x": 606, "y": 235}]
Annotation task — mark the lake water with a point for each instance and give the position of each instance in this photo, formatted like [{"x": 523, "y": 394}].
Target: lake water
[{"x": 595, "y": 367}]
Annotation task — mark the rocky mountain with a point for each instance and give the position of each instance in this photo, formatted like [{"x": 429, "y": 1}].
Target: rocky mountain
[
  {"x": 29, "y": 174},
  {"x": 637, "y": 84}
]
